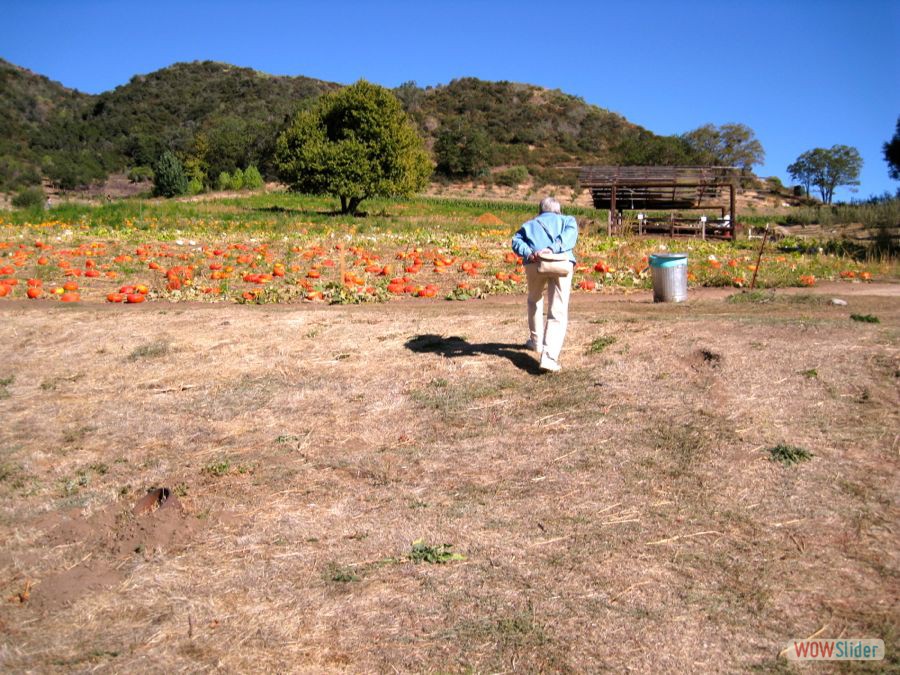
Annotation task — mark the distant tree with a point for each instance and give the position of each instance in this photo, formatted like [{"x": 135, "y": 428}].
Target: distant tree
[
  {"x": 512, "y": 177},
  {"x": 892, "y": 153},
  {"x": 410, "y": 95},
  {"x": 71, "y": 170},
  {"x": 194, "y": 187},
  {"x": 140, "y": 174},
  {"x": 461, "y": 150},
  {"x": 143, "y": 149},
  {"x": 704, "y": 142},
  {"x": 30, "y": 198},
  {"x": 727, "y": 145},
  {"x": 827, "y": 168},
  {"x": 253, "y": 180},
  {"x": 169, "y": 179},
  {"x": 237, "y": 180},
  {"x": 354, "y": 144},
  {"x": 223, "y": 182},
  {"x": 227, "y": 143},
  {"x": 646, "y": 149},
  {"x": 803, "y": 171}
]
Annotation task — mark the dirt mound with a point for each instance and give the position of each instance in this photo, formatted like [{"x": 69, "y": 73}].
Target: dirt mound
[
  {"x": 488, "y": 219},
  {"x": 108, "y": 536},
  {"x": 62, "y": 588}
]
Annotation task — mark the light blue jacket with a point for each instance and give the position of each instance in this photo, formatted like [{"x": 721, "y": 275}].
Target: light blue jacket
[{"x": 548, "y": 230}]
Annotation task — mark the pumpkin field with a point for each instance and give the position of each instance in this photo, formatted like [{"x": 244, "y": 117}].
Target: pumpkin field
[{"x": 246, "y": 434}]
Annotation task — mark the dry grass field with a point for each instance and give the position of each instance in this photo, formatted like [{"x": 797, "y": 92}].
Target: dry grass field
[{"x": 625, "y": 514}]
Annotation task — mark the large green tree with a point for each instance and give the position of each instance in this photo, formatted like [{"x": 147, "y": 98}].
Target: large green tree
[
  {"x": 892, "y": 153},
  {"x": 354, "y": 144},
  {"x": 727, "y": 145},
  {"x": 827, "y": 169}
]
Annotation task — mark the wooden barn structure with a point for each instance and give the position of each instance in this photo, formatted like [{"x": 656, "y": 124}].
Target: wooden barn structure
[{"x": 665, "y": 188}]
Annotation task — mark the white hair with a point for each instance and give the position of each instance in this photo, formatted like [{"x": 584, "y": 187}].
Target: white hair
[{"x": 549, "y": 205}]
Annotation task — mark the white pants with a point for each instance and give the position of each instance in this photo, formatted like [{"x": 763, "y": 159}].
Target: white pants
[{"x": 551, "y": 334}]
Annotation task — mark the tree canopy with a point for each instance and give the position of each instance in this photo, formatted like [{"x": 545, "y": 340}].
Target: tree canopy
[
  {"x": 354, "y": 144},
  {"x": 892, "y": 153},
  {"x": 827, "y": 168},
  {"x": 461, "y": 150},
  {"x": 727, "y": 145}
]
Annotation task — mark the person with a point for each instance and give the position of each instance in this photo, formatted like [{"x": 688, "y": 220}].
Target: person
[{"x": 550, "y": 232}]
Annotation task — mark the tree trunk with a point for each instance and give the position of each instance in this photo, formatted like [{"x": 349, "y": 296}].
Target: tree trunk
[
  {"x": 354, "y": 204},
  {"x": 344, "y": 208}
]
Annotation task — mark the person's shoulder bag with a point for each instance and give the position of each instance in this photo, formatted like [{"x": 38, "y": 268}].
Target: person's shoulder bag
[{"x": 553, "y": 264}]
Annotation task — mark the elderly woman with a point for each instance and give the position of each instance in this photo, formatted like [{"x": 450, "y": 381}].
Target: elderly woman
[{"x": 550, "y": 232}]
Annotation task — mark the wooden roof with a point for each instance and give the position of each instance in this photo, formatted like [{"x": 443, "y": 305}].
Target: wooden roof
[{"x": 657, "y": 187}]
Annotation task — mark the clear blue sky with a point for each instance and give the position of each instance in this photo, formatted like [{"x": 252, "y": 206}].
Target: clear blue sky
[{"x": 801, "y": 73}]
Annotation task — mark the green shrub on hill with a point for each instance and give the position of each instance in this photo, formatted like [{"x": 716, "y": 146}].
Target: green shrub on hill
[
  {"x": 29, "y": 198},
  {"x": 237, "y": 180},
  {"x": 461, "y": 150},
  {"x": 194, "y": 187},
  {"x": 253, "y": 180},
  {"x": 169, "y": 179},
  {"x": 512, "y": 177},
  {"x": 140, "y": 174}
]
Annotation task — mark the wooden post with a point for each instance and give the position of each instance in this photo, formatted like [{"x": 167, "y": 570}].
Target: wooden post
[
  {"x": 731, "y": 206},
  {"x": 759, "y": 257},
  {"x": 612, "y": 207}
]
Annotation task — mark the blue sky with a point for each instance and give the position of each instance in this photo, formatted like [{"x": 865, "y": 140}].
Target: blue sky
[{"x": 801, "y": 73}]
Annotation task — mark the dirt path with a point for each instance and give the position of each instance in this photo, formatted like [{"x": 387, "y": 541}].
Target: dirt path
[{"x": 623, "y": 514}]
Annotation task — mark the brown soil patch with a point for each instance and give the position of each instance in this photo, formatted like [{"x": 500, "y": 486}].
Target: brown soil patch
[
  {"x": 110, "y": 537},
  {"x": 614, "y": 516},
  {"x": 488, "y": 219}
]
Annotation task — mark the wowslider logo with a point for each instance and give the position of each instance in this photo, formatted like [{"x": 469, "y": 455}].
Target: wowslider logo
[{"x": 835, "y": 650}]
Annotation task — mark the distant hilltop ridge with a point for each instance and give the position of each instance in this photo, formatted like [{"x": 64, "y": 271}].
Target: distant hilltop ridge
[{"x": 228, "y": 117}]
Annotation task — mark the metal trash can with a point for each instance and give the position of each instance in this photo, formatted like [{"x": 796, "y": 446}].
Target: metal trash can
[{"x": 669, "y": 272}]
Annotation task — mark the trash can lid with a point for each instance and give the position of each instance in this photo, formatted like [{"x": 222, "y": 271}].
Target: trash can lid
[{"x": 668, "y": 259}]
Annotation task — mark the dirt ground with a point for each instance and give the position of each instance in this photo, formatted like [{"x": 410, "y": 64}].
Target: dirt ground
[{"x": 624, "y": 514}]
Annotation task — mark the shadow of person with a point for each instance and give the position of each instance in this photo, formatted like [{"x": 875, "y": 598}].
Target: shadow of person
[{"x": 454, "y": 347}]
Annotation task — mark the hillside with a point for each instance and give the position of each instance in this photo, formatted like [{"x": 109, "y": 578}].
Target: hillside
[
  {"x": 168, "y": 108},
  {"x": 549, "y": 132},
  {"x": 75, "y": 138},
  {"x": 221, "y": 117},
  {"x": 29, "y": 103}
]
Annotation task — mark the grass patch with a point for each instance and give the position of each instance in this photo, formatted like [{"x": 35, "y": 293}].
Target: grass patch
[
  {"x": 4, "y": 383},
  {"x": 217, "y": 469},
  {"x": 811, "y": 373},
  {"x": 599, "y": 344},
  {"x": 757, "y": 297},
  {"x": 436, "y": 555},
  {"x": 72, "y": 436},
  {"x": 446, "y": 397},
  {"x": 807, "y": 299},
  {"x": 509, "y": 636},
  {"x": 684, "y": 446},
  {"x": 865, "y": 318},
  {"x": 151, "y": 350},
  {"x": 339, "y": 574},
  {"x": 53, "y": 382},
  {"x": 13, "y": 476},
  {"x": 789, "y": 454}
]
